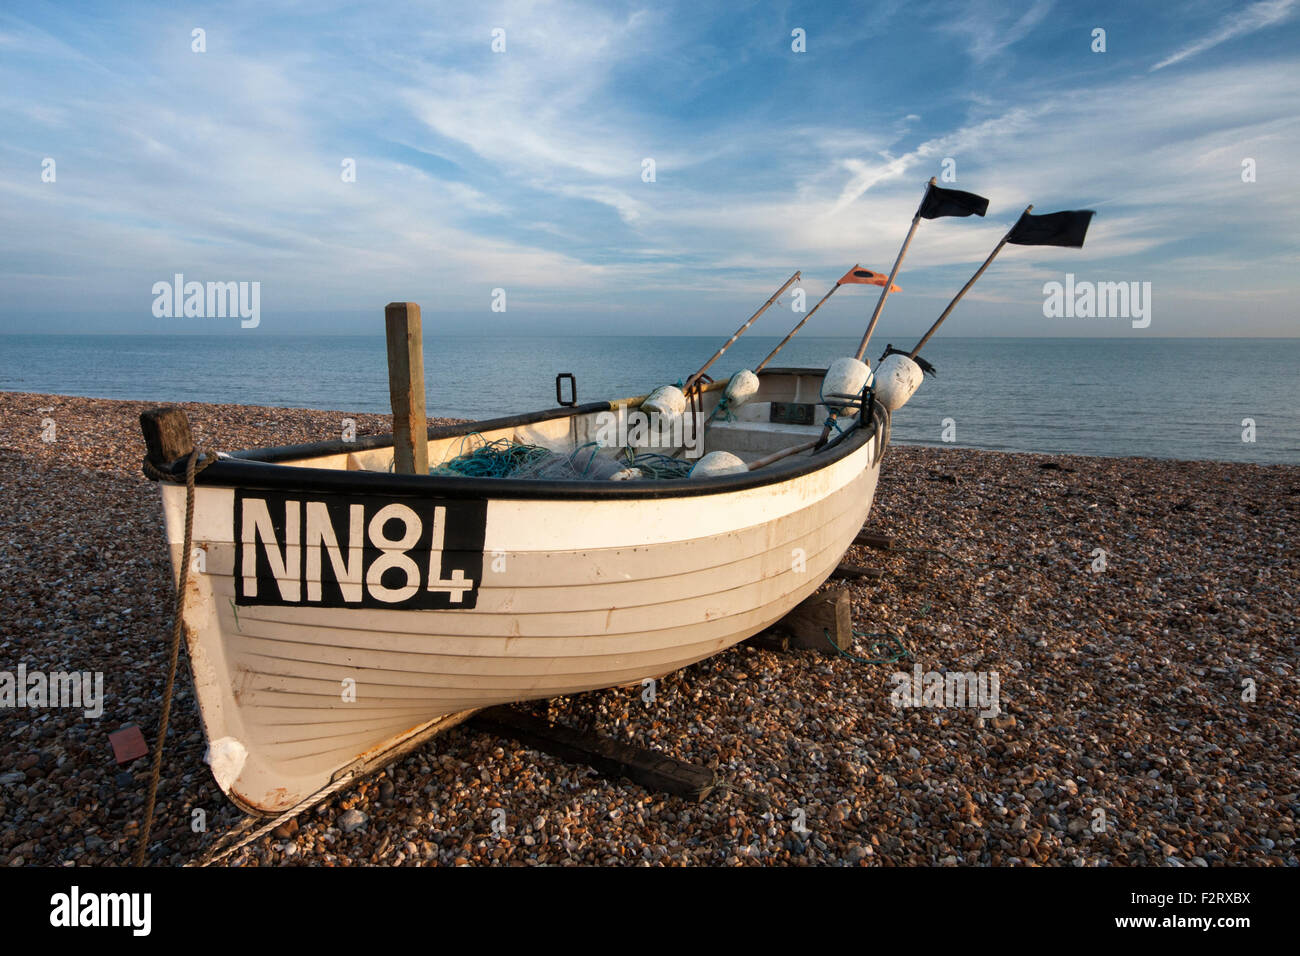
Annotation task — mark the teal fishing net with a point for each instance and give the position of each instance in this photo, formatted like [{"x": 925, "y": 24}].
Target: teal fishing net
[
  {"x": 503, "y": 458},
  {"x": 494, "y": 459}
]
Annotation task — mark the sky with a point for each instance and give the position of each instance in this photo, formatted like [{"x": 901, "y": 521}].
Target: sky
[{"x": 524, "y": 168}]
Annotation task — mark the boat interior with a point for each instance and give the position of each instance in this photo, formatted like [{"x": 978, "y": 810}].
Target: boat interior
[{"x": 785, "y": 412}]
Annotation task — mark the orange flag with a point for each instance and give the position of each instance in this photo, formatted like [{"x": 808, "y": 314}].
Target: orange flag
[{"x": 867, "y": 277}]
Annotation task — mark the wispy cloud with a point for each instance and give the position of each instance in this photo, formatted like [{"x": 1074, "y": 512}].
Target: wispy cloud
[
  {"x": 1257, "y": 16},
  {"x": 990, "y": 30}
]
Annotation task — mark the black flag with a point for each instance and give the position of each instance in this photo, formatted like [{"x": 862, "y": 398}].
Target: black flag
[
  {"x": 1052, "y": 229},
  {"x": 951, "y": 202}
]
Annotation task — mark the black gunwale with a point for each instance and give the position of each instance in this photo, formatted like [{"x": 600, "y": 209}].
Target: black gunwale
[{"x": 259, "y": 469}]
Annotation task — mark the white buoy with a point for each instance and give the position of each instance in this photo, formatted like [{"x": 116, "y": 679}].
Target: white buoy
[
  {"x": 742, "y": 387},
  {"x": 667, "y": 401},
  {"x": 897, "y": 379},
  {"x": 718, "y": 463},
  {"x": 846, "y": 377},
  {"x": 627, "y": 474}
]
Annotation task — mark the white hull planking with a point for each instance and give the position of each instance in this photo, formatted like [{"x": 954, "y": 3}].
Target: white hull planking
[{"x": 573, "y": 608}]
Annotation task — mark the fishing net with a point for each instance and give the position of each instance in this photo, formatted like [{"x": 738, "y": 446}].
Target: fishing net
[
  {"x": 494, "y": 459},
  {"x": 504, "y": 458},
  {"x": 660, "y": 467}
]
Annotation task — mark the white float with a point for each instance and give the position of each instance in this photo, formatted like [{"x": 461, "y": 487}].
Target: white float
[
  {"x": 742, "y": 387},
  {"x": 846, "y": 377},
  {"x": 897, "y": 379},
  {"x": 718, "y": 463},
  {"x": 668, "y": 401}
]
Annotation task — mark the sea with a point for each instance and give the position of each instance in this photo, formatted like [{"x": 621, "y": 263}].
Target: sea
[{"x": 1192, "y": 399}]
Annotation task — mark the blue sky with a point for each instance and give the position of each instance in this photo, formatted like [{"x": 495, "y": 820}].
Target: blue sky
[{"x": 522, "y": 169}]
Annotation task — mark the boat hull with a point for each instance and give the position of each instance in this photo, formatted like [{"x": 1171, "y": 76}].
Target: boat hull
[{"x": 572, "y": 595}]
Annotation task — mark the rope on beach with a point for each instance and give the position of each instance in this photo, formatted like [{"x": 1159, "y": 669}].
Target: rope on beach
[
  {"x": 892, "y": 650},
  {"x": 253, "y": 828},
  {"x": 241, "y": 834},
  {"x": 755, "y": 799},
  {"x": 192, "y": 468},
  {"x": 877, "y": 647}
]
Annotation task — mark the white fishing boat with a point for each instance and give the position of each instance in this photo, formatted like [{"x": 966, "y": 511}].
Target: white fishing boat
[
  {"x": 337, "y": 613},
  {"x": 346, "y": 601}
]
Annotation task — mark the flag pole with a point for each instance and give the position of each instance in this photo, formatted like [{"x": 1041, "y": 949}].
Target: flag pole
[
  {"x": 966, "y": 288},
  {"x": 884, "y": 293},
  {"x": 690, "y": 383},
  {"x": 771, "y": 355}
]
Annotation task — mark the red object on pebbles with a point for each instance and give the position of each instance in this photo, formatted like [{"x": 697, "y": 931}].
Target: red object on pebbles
[{"x": 128, "y": 744}]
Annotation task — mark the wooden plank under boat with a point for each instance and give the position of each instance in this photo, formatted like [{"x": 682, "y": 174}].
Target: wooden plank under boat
[{"x": 341, "y": 613}]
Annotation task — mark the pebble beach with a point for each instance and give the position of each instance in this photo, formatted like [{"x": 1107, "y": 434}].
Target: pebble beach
[{"x": 1141, "y": 617}]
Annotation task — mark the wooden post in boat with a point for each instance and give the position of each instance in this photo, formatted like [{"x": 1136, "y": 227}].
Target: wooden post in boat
[
  {"x": 966, "y": 288},
  {"x": 884, "y": 293},
  {"x": 167, "y": 436},
  {"x": 406, "y": 388},
  {"x": 739, "y": 332}
]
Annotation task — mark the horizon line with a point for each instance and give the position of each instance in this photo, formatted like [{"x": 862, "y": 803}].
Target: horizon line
[{"x": 645, "y": 335}]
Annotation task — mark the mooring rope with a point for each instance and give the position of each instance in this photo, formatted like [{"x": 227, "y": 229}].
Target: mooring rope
[
  {"x": 755, "y": 799},
  {"x": 876, "y": 646},
  {"x": 191, "y": 469},
  {"x": 253, "y": 828}
]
